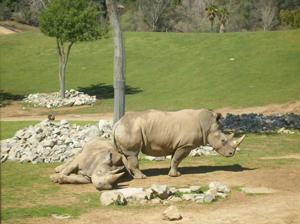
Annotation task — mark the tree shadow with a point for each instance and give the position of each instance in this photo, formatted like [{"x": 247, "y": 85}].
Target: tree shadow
[
  {"x": 196, "y": 170},
  {"x": 6, "y": 97},
  {"x": 103, "y": 91}
]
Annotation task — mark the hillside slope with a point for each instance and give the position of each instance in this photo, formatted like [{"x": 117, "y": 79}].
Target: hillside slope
[{"x": 167, "y": 71}]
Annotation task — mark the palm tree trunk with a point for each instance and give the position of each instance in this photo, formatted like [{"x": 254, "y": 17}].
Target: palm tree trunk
[
  {"x": 222, "y": 28},
  {"x": 211, "y": 25}
]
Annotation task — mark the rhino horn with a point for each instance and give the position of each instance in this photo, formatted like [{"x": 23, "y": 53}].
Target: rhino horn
[
  {"x": 230, "y": 137},
  {"x": 239, "y": 141},
  {"x": 114, "y": 178},
  {"x": 117, "y": 170}
]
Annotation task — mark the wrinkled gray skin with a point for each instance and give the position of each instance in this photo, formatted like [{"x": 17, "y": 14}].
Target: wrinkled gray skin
[
  {"x": 158, "y": 133},
  {"x": 97, "y": 163}
]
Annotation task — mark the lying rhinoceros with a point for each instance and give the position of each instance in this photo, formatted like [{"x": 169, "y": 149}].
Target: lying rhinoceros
[
  {"x": 98, "y": 162},
  {"x": 158, "y": 133}
]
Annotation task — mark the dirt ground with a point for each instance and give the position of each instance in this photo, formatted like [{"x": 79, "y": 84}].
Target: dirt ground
[
  {"x": 279, "y": 203},
  {"x": 15, "y": 112}
]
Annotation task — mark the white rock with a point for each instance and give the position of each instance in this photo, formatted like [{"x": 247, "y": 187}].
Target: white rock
[
  {"x": 127, "y": 192},
  {"x": 184, "y": 190},
  {"x": 109, "y": 197},
  {"x": 219, "y": 187},
  {"x": 162, "y": 191},
  {"x": 172, "y": 213}
]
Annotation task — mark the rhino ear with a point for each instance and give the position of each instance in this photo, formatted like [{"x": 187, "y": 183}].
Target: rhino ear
[{"x": 107, "y": 157}]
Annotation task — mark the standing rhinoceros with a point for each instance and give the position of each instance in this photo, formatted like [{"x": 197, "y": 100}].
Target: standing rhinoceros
[
  {"x": 158, "y": 133},
  {"x": 98, "y": 162}
]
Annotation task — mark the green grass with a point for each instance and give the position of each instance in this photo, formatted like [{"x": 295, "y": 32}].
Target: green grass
[
  {"x": 166, "y": 71},
  {"x": 26, "y": 190}
]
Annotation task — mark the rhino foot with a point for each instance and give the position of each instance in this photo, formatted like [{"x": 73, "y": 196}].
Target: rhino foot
[
  {"x": 174, "y": 173},
  {"x": 59, "y": 168},
  {"x": 140, "y": 176},
  {"x": 54, "y": 178}
]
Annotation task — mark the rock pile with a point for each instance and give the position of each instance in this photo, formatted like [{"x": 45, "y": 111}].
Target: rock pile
[
  {"x": 259, "y": 123},
  {"x": 58, "y": 141},
  {"x": 163, "y": 194},
  {"x": 51, "y": 141},
  {"x": 52, "y": 100}
]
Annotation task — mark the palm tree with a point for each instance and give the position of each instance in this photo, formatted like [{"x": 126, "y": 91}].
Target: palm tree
[
  {"x": 211, "y": 12},
  {"x": 223, "y": 17}
]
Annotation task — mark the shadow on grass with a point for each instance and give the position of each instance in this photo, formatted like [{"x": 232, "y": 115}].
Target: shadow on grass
[
  {"x": 103, "y": 91},
  {"x": 6, "y": 97}
]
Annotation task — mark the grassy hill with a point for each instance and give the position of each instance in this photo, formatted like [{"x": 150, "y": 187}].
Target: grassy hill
[{"x": 167, "y": 71}]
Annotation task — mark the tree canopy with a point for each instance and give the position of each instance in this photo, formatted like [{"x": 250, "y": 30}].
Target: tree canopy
[
  {"x": 70, "y": 21},
  {"x": 211, "y": 11}
]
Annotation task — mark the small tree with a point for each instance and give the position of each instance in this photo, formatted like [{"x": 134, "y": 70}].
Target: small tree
[
  {"x": 223, "y": 17},
  {"x": 153, "y": 10},
  {"x": 268, "y": 12},
  {"x": 290, "y": 18},
  {"x": 70, "y": 21},
  {"x": 211, "y": 12}
]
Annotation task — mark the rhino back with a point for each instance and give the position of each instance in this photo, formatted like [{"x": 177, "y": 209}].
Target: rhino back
[{"x": 159, "y": 133}]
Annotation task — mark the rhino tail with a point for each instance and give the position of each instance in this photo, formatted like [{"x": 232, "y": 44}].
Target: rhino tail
[{"x": 125, "y": 162}]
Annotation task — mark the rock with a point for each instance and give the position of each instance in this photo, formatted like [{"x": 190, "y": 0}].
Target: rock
[
  {"x": 172, "y": 213},
  {"x": 208, "y": 198},
  {"x": 156, "y": 201},
  {"x": 219, "y": 187},
  {"x": 176, "y": 199},
  {"x": 141, "y": 196},
  {"x": 173, "y": 190},
  {"x": 187, "y": 197},
  {"x": 213, "y": 192},
  {"x": 54, "y": 100},
  {"x": 151, "y": 158},
  {"x": 222, "y": 195},
  {"x": 128, "y": 192},
  {"x": 47, "y": 142},
  {"x": 196, "y": 189},
  {"x": 104, "y": 125},
  {"x": 184, "y": 190},
  {"x": 162, "y": 191},
  {"x": 160, "y": 158},
  {"x": 110, "y": 197}
]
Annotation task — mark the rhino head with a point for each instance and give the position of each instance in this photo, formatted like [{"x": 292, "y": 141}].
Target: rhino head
[
  {"x": 222, "y": 143},
  {"x": 106, "y": 173}
]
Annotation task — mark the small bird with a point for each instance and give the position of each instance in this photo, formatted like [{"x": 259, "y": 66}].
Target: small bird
[{"x": 51, "y": 117}]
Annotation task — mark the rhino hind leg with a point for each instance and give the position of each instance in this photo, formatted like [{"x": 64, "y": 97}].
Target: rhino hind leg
[
  {"x": 178, "y": 156},
  {"x": 133, "y": 166}
]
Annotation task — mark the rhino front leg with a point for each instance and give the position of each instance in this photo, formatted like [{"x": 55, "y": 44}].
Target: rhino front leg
[
  {"x": 78, "y": 179},
  {"x": 71, "y": 167},
  {"x": 133, "y": 166},
  {"x": 178, "y": 156}
]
